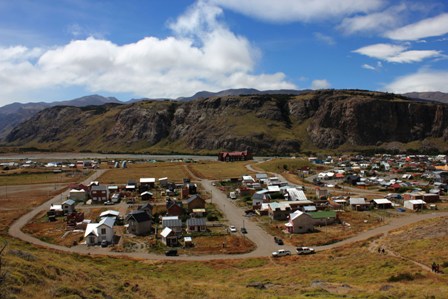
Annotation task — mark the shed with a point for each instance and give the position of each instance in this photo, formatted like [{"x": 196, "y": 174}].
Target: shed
[
  {"x": 382, "y": 203},
  {"x": 414, "y": 204}
]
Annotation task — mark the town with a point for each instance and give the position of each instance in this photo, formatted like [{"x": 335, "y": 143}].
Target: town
[{"x": 293, "y": 203}]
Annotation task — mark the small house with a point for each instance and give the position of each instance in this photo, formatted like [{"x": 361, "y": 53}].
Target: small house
[
  {"x": 163, "y": 182},
  {"x": 323, "y": 218},
  {"x": 195, "y": 202},
  {"x": 414, "y": 204},
  {"x": 147, "y": 183},
  {"x": 169, "y": 237},
  {"x": 109, "y": 214},
  {"x": 139, "y": 223},
  {"x": 174, "y": 208},
  {"x": 172, "y": 222},
  {"x": 382, "y": 203},
  {"x": 146, "y": 195},
  {"x": 78, "y": 195},
  {"x": 358, "y": 204},
  {"x": 68, "y": 206},
  {"x": 99, "y": 193},
  {"x": 96, "y": 233},
  {"x": 196, "y": 225},
  {"x": 279, "y": 211},
  {"x": 299, "y": 223}
]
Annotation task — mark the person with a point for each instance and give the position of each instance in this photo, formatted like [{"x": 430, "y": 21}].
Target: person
[
  {"x": 383, "y": 251},
  {"x": 433, "y": 267},
  {"x": 379, "y": 249}
]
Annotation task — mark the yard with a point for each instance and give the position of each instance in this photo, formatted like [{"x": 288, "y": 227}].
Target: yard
[{"x": 39, "y": 176}]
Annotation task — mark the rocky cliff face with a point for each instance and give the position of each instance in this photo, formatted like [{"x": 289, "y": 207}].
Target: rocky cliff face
[{"x": 267, "y": 124}]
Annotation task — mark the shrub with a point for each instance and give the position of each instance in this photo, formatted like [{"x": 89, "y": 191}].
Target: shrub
[{"x": 401, "y": 277}]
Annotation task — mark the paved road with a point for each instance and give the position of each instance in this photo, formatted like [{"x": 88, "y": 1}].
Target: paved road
[{"x": 264, "y": 242}]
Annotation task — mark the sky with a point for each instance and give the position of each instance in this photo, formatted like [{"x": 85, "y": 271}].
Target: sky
[{"x": 53, "y": 50}]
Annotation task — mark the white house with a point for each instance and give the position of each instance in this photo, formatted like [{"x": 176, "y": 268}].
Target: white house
[
  {"x": 78, "y": 195},
  {"x": 414, "y": 204},
  {"x": 98, "y": 232},
  {"x": 295, "y": 195},
  {"x": 299, "y": 222}
]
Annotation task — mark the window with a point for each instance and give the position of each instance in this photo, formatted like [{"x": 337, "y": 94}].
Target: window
[{"x": 103, "y": 231}]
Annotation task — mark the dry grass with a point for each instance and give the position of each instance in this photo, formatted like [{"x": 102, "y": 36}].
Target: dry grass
[
  {"x": 38, "y": 176},
  {"x": 173, "y": 170},
  {"x": 219, "y": 170}
]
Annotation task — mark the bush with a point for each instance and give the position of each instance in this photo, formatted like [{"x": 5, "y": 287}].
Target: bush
[{"x": 401, "y": 277}]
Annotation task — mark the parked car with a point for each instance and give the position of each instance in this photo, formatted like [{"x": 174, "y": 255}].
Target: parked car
[
  {"x": 109, "y": 203},
  {"x": 104, "y": 243},
  {"x": 232, "y": 229},
  {"x": 305, "y": 250},
  {"x": 281, "y": 252},
  {"x": 171, "y": 252},
  {"x": 243, "y": 230},
  {"x": 278, "y": 241}
]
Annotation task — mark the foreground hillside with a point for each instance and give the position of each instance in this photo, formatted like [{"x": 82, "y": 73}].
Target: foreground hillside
[{"x": 266, "y": 124}]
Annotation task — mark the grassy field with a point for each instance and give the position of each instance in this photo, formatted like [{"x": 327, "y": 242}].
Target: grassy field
[
  {"x": 219, "y": 170},
  {"x": 38, "y": 176},
  {"x": 175, "y": 171}
]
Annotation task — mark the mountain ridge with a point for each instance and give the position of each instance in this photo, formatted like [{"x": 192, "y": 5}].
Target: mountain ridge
[{"x": 341, "y": 120}]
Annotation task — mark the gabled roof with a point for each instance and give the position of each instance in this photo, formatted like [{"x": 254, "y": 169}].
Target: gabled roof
[
  {"x": 98, "y": 188},
  {"x": 147, "y": 180},
  {"x": 382, "y": 201},
  {"x": 193, "y": 197},
  {"x": 138, "y": 216},
  {"x": 146, "y": 192},
  {"x": 110, "y": 213},
  {"x": 261, "y": 176},
  {"x": 357, "y": 201},
  {"x": 296, "y": 195},
  {"x": 92, "y": 228},
  {"x": 171, "y": 222},
  {"x": 196, "y": 222}
]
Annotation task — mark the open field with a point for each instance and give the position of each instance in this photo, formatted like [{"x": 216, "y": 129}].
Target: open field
[
  {"x": 219, "y": 170},
  {"x": 173, "y": 170},
  {"x": 38, "y": 176}
]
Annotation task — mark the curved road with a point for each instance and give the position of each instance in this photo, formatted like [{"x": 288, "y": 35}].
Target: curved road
[{"x": 264, "y": 241}]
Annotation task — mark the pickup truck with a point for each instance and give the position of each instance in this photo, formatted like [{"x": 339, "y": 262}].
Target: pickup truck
[
  {"x": 281, "y": 252},
  {"x": 305, "y": 250}
]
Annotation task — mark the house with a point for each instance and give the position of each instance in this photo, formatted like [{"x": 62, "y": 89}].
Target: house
[
  {"x": 262, "y": 178},
  {"x": 98, "y": 232},
  {"x": 146, "y": 195},
  {"x": 169, "y": 237},
  {"x": 234, "y": 156},
  {"x": 139, "y": 223},
  {"x": 78, "y": 195},
  {"x": 293, "y": 194},
  {"x": 414, "y": 204},
  {"x": 352, "y": 179},
  {"x": 248, "y": 180},
  {"x": 68, "y": 206},
  {"x": 195, "y": 202},
  {"x": 196, "y": 225},
  {"x": 279, "y": 211},
  {"x": 259, "y": 198},
  {"x": 147, "y": 208},
  {"x": 382, "y": 203},
  {"x": 174, "y": 208},
  {"x": 147, "y": 183},
  {"x": 358, "y": 204},
  {"x": 321, "y": 193},
  {"x": 99, "y": 193},
  {"x": 299, "y": 223},
  {"x": 427, "y": 197},
  {"x": 55, "y": 210},
  {"x": 172, "y": 222}
]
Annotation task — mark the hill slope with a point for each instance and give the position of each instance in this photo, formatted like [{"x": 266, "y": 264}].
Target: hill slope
[{"x": 266, "y": 124}]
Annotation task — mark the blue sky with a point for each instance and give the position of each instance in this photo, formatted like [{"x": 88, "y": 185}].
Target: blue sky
[{"x": 61, "y": 49}]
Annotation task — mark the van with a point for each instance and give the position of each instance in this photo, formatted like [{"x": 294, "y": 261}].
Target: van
[{"x": 232, "y": 195}]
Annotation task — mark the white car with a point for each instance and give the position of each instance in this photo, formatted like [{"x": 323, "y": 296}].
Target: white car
[
  {"x": 281, "y": 252},
  {"x": 232, "y": 229},
  {"x": 305, "y": 250}
]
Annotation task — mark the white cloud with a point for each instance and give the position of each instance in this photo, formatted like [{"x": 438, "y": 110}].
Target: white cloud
[
  {"x": 396, "y": 53},
  {"x": 299, "y": 10},
  {"x": 435, "y": 26},
  {"x": 320, "y": 84},
  {"x": 324, "y": 38},
  {"x": 374, "y": 22},
  {"x": 202, "y": 55},
  {"x": 424, "y": 80},
  {"x": 368, "y": 67}
]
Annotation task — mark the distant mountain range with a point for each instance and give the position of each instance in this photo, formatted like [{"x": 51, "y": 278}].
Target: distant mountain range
[
  {"x": 14, "y": 114},
  {"x": 267, "y": 124}
]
